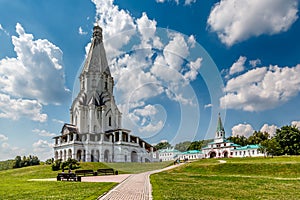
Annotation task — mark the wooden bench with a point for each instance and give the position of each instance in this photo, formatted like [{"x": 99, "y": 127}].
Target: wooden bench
[
  {"x": 107, "y": 171},
  {"x": 84, "y": 172},
  {"x": 68, "y": 177}
]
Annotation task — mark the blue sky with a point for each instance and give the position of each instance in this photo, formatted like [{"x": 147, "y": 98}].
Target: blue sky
[{"x": 176, "y": 65}]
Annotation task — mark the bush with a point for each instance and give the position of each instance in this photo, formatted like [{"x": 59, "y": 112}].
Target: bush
[
  {"x": 69, "y": 164},
  {"x": 26, "y": 161}
]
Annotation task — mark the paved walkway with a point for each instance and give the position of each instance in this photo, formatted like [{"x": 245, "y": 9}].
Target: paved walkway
[{"x": 135, "y": 187}]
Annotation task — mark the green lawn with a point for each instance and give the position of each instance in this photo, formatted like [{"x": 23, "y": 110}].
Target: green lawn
[
  {"x": 241, "y": 178},
  {"x": 14, "y": 184}
]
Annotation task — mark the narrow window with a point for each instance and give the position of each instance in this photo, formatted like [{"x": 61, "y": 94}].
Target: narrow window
[{"x": 109, "y": 121}]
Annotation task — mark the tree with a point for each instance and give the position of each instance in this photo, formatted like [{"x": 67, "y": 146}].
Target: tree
[
  {"x": 17, "y": 162},
  {"x": 182, "y": 146},
  {"x": 240, "y": 140},
  {"x": 288, "y": 138},
  {"x": 258, "y": 137},
  {"x": 270, "y": 147},
  {"x": 163, "y": 145},
  {"x": 196, "y": 145}
]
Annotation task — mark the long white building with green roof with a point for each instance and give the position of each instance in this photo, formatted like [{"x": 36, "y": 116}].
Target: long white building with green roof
[{"x": 222, "y": 148}]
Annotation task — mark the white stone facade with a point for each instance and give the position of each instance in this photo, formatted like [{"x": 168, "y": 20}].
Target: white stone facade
[
  {"x": 95, "y": 133},
  {"x": 222, "y": 148},
  {"x": 168, "y": 154}
]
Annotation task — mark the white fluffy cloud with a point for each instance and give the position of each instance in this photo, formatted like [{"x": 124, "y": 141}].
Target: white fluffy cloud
[
  {"x": 43, "y": 133},
  {"x": 17, "y": 108},
  {"x": 36, "y": 72},
  {"x": 3, "y": 138},
  {"x": 262, "y": 88},
  {"x": 153, "y": 65},
  {"x": 238, "y": 66},
  {"x": 242, "y": 130},
  {"x": 271, "y": 129},
  {"x": 118, "y": 26},
  {"x": 237, "y": 20},
  {"x": 296, "y": 123}
]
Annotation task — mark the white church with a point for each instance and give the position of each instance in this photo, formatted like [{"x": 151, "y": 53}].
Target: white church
[
  {"x": 95, "y": 133},
  {"x": 222, "y": 148}
]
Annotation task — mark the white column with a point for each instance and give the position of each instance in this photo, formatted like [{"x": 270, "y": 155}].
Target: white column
[{"x": 120, "y": 136}]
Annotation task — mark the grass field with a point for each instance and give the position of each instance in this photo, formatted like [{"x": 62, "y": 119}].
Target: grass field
[
  {"x": 15, "y": 184},
  {"x": 241, "y": 178}
]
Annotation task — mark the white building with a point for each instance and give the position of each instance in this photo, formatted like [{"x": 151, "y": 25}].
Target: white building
[
  {"x": 222, "y": 148},
  {"x": 168, "y": 154},
  {"x": 190, "y": 155},
  {"x": 95, "y": 132}
]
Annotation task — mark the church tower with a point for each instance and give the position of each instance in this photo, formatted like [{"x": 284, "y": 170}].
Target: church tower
[
  {"x": 95, "y": 132},
  {"x": 220, "y": 132},
  {"x": 94, "y": 110}
]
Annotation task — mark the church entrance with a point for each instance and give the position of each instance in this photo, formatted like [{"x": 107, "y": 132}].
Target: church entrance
[
  {"x": 78, "y": 155},
  {"x": 134, "y": 156},
  {"x": 225, "y": 154},
  {"x": 106, "y": 156},
  {"x": 213, "y": 154}
]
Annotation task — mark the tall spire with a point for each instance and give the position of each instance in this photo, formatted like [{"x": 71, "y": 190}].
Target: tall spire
[
  {"x": 220, "y": 125},
  {"x": 220, "y": 132},
  {"x": 96, "y": 60}
]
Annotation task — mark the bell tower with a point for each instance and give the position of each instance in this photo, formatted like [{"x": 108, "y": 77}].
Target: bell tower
[{"x": 220, "y": 132}]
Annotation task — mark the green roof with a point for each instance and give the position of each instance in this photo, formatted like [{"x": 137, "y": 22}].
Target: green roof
[
  {"x": 247, "y": 147},
  {"x": 168, "y": 151},
  {"x": 192, "y": 152}
]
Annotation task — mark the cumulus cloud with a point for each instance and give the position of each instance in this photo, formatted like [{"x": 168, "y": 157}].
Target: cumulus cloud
[
  {"x": 237, "y": 20},
  {"x": 242, "y": 130},
  {"x": 271, "y": 129},
  {"x": 296, "y": 123},
  {"x": 155, "y": 66},
  {"x": 16, "y": 108},
  {"x": 43, "y": 133},
  {"x": 238, "y": 66},
  {"x": 255, "y": 62},
  {"x": 118, "y": 25},
  {"x": 3, "y": 138},
  {"x": 36, "y": 72},
  {"x": 261, "y": 88}
]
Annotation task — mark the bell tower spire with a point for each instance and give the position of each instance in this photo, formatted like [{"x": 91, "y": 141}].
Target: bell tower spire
[{"x": 220, "y": 132}]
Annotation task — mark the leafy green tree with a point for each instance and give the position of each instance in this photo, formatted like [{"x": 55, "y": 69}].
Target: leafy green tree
[
  {"x": 163, "y": 145},
  {"x": 258, "y": 137},
  {"x": 288, "y": 138},
  {"x": 182, "y": 146},
  {"x": 196, "y": 145},
  {"x": 240, "y": 140},
  {"x": 270, "y": 147},
  {"x": 17, "y": 162}
]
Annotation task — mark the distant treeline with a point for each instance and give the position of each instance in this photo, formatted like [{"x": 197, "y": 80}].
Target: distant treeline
[
  {"x": 7, "y": 164},
  {"x": 25, "y": 161}
]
